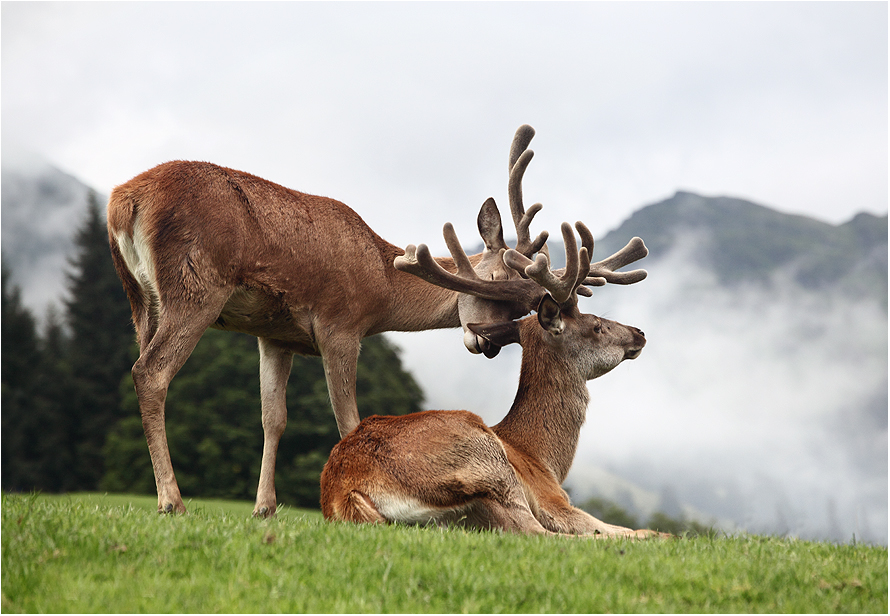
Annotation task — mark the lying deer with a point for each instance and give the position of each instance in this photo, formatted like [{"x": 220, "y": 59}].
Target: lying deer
[
  {"x": 197, "y": 245},
  {"x": 448, "y": 467}
]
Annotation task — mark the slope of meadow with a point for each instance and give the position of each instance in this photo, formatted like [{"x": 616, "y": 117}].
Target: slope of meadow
[{"x": 93, "y": 553}]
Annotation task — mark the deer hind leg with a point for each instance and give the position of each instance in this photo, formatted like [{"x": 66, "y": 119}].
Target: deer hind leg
[
  {"x": 358, "y": 508},
  {"x": 275, "y": 367},
  {"x": 488, "y": 478},
  {"x": 165, "y": 345}
]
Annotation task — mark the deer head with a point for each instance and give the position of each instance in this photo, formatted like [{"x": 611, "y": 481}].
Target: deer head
[{"x": 498, "y": 288}]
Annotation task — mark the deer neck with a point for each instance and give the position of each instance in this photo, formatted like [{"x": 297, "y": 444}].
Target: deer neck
[
  {"x": 415, "y": 304},
  {"x": 548, "y": 412}
]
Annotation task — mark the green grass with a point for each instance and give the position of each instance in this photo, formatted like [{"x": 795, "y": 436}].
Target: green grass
[{"x": 94, "y": 553}]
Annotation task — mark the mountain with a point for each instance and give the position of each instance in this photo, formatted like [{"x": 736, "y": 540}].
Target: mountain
[
  {"x": 41, "y": 208},
  {"x": 742, "y": 242}
]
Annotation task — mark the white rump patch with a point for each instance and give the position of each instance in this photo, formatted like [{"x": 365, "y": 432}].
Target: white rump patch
[{"x": 138, "y": 258}]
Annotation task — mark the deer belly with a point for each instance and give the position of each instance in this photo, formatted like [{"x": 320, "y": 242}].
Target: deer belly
[{"x": 253, "y": 312}]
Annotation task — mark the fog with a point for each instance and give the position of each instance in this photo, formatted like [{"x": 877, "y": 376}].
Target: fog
[{"x": 761, "y": 407}]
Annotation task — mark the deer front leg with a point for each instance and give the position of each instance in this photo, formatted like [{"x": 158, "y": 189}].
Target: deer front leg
[
  {"x": 568, "y": 519},
  {"x": 339, "y": 354},
  {"x": 275, "y": 367}
]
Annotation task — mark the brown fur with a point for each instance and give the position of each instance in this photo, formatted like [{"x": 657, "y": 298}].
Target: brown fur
[
  {"x": 215, "y": 247},
  {"x": 446, "y": 467},
  {"x": 197, "y": 245}
]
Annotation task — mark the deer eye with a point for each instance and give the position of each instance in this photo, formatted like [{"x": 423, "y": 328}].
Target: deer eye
[{"x": 598, "y": 329}]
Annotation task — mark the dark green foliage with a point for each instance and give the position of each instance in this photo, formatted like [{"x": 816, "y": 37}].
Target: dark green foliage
[
  {"x": 25, "y": 413},
  {"x": 214, "y": 421},
  {"x": 682, "y": 526},
  {"x": 609, "y": 512},
  {"x": 61, "y": 391},
  {"x": 36, "y": 448},
  {"x": 101, "y": 332}
]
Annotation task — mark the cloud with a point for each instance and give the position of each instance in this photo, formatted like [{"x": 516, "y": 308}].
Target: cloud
[{"x": 396, "y": 108}]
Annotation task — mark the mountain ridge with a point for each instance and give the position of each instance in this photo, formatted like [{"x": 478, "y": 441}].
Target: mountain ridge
[
  {"x": 742, "y": 241},
  {"x": 37, "y": 253}
]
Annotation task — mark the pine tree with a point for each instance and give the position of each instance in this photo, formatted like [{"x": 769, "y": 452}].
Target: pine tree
[
  {"x": 20, "y": 354},
  {"x": 35, "y": 429},
  {"x": 54, "y": 385},
  {"x": 100, "y": 351}
]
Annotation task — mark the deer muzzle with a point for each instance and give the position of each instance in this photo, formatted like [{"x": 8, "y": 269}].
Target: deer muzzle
[
  {"x": 477, "y": 344},
  {"x": 639, "y": 341}
]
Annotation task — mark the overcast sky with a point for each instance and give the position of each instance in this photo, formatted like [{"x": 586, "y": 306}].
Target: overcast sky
[{"x": 405, "y": 111}]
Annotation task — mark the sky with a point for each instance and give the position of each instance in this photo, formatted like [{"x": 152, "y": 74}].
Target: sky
[{"x": 405, "y": 111}]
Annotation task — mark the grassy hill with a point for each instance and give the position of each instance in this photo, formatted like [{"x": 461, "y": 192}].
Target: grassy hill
[{"x": 94, "y": 553}]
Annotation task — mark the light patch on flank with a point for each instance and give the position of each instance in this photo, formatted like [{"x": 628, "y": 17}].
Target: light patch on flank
[
  {"x": 409, "y": 510},
  {"x": 138, "y": 258}
]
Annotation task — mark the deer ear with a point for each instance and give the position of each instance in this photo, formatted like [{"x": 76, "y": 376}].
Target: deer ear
[
  {"x": 550, "y": 316},
  {"x": 500, "y": 334},
  {"x": 490, "y": 228}
]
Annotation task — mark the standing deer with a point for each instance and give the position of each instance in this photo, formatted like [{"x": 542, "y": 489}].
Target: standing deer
[
  {"x": 448, "y": 467},
  {"x": 197, "y": 245}
]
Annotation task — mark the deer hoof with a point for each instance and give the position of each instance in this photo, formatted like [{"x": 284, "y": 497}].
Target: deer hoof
[
  {"x": 264, "y": 512},
  {"x": 170, "y": 508}
]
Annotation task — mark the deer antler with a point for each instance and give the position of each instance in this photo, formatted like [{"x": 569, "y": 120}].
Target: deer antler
[
  {"x": 564, "y": 286},
  {"x": 603, "y": 272},
  {"x": 418, "y": 261},
  {"x": 520, "y": 157}
]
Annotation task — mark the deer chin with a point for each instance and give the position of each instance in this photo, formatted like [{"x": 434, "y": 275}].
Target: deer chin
[
  {"x": 632, "y": 353},
  {"x": 477, "y": 344}
]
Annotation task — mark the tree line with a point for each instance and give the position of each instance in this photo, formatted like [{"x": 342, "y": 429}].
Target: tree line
[{"x": 70, "y": 419}]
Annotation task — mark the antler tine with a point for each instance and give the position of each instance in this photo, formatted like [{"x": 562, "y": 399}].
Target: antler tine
[
  {"x": 603, "y": 272},
  {"x": 464, "y": 267},
  {"x": 586, "y": 242},
  {"x": 520, "y": 157},
  {"x": 562, "y": 288},
  {"x": 524, "y": 135}
]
